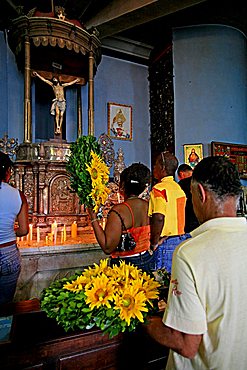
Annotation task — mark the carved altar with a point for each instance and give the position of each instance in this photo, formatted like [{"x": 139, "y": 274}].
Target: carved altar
[
  {"x": 63, "y": 48},
  {"x": 41, "y": 173}
]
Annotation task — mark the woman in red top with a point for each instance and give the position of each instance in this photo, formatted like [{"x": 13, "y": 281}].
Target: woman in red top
[{"x": 130, "y": 216}]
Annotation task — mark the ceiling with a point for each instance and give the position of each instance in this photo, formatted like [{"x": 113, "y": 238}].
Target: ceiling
[{"x": 135, "y": 26}]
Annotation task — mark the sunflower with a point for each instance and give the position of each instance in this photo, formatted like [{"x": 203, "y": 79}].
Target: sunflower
[
  {"x": 99, "y": 173},
  {"x": 130, "y": 304},
  {"x": 97, "y": 270},
  {"x": 76, "y": 285},
  {"x": 98, "y": 170},
  {"x": 150, "y": 289},
  {"x": 114, "y": 299},
  {"x": 99, "y": 195},
  {"x": 101, "y": 292}
]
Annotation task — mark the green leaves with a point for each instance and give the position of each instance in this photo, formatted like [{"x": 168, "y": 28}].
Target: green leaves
[
  {"x": 79, "y": 176},
  {"x": 106, "y": 292},
  {"x": 68, "y": 308}
]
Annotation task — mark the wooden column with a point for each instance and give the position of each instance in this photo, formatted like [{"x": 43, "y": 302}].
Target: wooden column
[
  {"x": 27, "y": 94},
  {"x": 79, "y": 112},
  {"x": 90, "y": 95}
]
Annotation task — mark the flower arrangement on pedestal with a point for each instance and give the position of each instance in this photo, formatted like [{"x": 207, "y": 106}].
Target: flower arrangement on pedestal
[
  {"x": 89, "y": 175},
  {"x": 115, "y": 299}
]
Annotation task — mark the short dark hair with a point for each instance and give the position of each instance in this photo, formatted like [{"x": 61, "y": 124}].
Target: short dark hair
[
  {"x": 170, "y": 162},
  {"x": 184, "y": 167},
  {"x": 5, "y": 164},
  {"x": 135, "y": 178},
  {"x": 219, "y": 175}
]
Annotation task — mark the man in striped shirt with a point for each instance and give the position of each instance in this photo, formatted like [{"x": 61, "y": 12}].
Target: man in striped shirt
[{"x": 166, "y": 211}]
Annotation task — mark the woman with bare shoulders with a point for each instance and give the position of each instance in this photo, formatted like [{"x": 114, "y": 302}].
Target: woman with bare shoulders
[{"x": 131, "y": 217}]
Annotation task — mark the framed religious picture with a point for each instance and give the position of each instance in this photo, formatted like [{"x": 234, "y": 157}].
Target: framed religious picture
[
  {"x": 237, "y": 153},
  {"x": 119, "y": 121},
  {"x": 193, "y": 153}
]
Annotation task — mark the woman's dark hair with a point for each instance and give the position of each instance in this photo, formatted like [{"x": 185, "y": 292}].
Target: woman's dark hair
[
  {"x": 5, "y": 164},
  {"x": 135, "y": 179}
]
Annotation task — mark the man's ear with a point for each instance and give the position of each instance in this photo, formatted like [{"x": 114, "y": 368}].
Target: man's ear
[{"x": 202, "y": 193}]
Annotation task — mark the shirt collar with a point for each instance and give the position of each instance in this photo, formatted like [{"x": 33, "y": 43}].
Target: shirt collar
[
  {"x": 166, "y": 178},
  {"x": 222, "y": 222}
]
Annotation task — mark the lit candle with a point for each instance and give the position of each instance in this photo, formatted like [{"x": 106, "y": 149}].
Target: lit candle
[
  {"x": 103, "y": 224},
  {"x": 74, "y": 230},
  {"x": 18, "y": 239},
  {"x": 64, "y": 233},
  {"x": 22, "y": 238},
  {"x": 46, "y": 240},
  {"x": 54, "y": 231},
  {"x": 53, "y": 227},
  {"x": 50, "y": 238},
  {"x": 38, "y": 234},
  {"x": 55, "y": 235},
  {"x": 62, "y": 237},
  {"x": 30, "y": 232},
  {"x": 118, "y": 197}
]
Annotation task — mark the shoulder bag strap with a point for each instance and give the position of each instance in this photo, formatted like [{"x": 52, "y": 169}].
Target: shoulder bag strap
[
  {"x": 122, "y": 222},
  {"x": 132, "y": 214}
]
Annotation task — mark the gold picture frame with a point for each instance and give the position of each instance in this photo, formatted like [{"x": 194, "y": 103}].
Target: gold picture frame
[
  {"x": 193, "y": 154},
  {"x": 119, "y": 121}
]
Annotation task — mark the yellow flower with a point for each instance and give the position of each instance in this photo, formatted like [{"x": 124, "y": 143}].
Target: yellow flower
[
  {"x": 99, "y": 173},
  {"x": 130, "y": 304},
  {"x": 98, "y": 169},
  {"x": 99, "y": 195},
  {"x": 101, "y": 292},
  {"x": 150, "y": 290},
  {"x": 76, "y": 285}
]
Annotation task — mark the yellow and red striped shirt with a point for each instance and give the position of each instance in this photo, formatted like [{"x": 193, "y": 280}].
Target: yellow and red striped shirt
[{"x": 169, "y": 199}]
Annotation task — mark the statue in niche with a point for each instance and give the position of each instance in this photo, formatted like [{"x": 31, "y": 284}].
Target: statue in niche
[
  {"x": 59, "y": 103},
  {"x": 119, "y": 165},
  {"x": 60, "y": 12}
]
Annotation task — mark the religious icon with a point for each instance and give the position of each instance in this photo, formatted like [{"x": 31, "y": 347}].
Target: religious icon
[
  {"x": 120, "y": 121},
  {"x": 193, "y": 154}
]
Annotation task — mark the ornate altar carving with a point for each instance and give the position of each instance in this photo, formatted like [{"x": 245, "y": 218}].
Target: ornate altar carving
[
  {"x": 119, "y": 165},
  {"x": 107, "y": 148},
  {"x": 8, "y": 145},
  {"x": 40, "y": 172}
]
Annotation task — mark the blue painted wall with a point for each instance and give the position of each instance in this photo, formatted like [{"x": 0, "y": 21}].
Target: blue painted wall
[
  {"x": 210, "y": 80},
  {"x": 11, "y": 93},
  {"x": 126, "y": 83}
]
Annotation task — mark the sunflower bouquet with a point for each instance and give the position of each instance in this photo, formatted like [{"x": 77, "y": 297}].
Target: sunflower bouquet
[
  {"x": 89, "y": 175},
  {"x": 115, "y": 299}
]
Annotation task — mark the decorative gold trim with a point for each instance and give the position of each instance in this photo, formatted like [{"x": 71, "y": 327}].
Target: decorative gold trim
[{"x": 55, "y": 32}]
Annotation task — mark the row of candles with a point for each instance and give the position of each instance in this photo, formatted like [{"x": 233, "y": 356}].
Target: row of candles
[{"x": 53, "y": 235}]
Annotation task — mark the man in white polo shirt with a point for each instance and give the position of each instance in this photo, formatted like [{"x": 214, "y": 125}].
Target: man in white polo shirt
[{"x": 205, "y": 319}]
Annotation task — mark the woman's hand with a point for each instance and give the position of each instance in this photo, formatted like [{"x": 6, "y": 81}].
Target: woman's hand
[{"x": 91, "y": 213}]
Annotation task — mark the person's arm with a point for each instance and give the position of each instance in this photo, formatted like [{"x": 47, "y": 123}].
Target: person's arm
[
  {"x": 22, "y": 218},
  {"x": 185, "y": 344},
  {"x": 156, "y": 225},
  {"x": 71, "y": 82},
  {"x": 109, "y": 238},
  {"x": 42, "y": 78}
]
